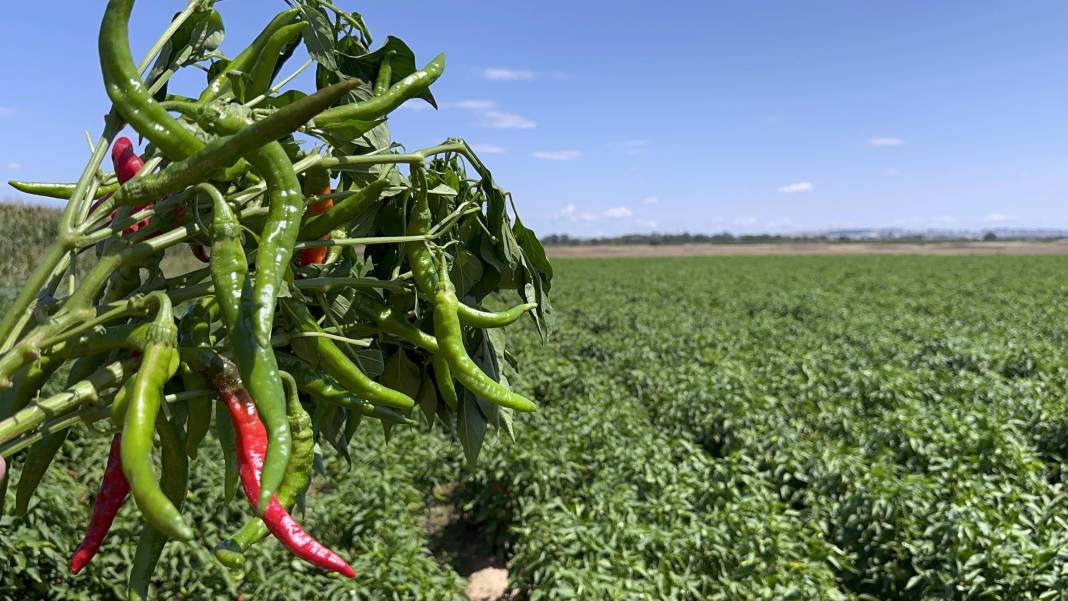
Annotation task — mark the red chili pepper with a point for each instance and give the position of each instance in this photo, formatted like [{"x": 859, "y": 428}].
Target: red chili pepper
[
  {"x": 113, "y": 491},
  {"x": 251, "y": 448},
  {"x": 314, "y": 256},
  {"x": 127, "y": 164}
]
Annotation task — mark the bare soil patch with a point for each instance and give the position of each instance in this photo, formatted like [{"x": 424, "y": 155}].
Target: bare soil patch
[
  {"x": 1055, "y": 247},
  {"x": 471, "y": 550}
]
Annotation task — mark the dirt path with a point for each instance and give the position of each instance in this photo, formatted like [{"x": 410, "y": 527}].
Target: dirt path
[{"x": 1057, "y": 247}]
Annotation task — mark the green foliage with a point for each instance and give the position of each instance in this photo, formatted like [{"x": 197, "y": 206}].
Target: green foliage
[{"x": 712, "y": 428}]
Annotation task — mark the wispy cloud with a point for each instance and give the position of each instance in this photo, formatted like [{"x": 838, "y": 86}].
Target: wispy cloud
[
  {"x": 631, "y": 147},
  {"x": 745, "y": 221},
  {"x": 503, "y": 120},
  {"x": 645, "y": 223},
  {"x": 471, "y": 105},
  {"x": 885, "y": 141},
  {"x": 1000, "y": 217},
  {"x": 485, "y": 110},
  {"x": 506, "y": 74},
  {"x": 14, "y": 166},
  {"x": 489, "y": 148},
  {"x": 556, "y": 155},
  {"x": 796, "y": 187},
  {"x": 781, "y": 222},
  {"x": 892, "y": 171},
  {"x": 650, "y": 200},
  {"x": 571, "y": 213},
  {"x": 6, "y": 111}
]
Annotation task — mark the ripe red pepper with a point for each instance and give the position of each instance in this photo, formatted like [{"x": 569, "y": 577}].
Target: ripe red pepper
[
  {"x": 251, "y": 447},
  {"x": 127, "y": 164},
  {"x": 113, "y": 491},
  {"x": 314, "y": 256}
]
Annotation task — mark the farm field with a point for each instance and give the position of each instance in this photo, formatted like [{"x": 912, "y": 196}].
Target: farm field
[{"x": 709, "y": 428}]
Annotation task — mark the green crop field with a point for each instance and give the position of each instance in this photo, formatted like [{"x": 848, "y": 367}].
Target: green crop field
[{"x": 709, "y": 428}]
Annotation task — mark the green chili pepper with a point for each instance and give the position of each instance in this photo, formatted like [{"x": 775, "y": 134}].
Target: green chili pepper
[
  {"x": 243, "y": 62},
  {"x": 26, "y": 382},
  {"x": 443, "y": 378},
  {"x": 60, "y": 191},
  {"x": 334, "y": 361},
  {"x": 266, "y": 65},
  {"x": 230, "y": 552},
  {"x": 385, "y": 74},
  {"x": 228, "y": 263},
  {"x": 222, "y": 151},
  {"x": 486, "y": 319},
  {"x": 224, "y": 431},
  {"x": 325, "y": 390},
  {"x": 449, "y": 333},
  {"x": 159, "y": 361},
  {"x": 379, "y": 106},
  {"x": 424, "y": 270},
  {"x": 194, "y": 329},
  {"x": 371, "y": 308},
  {"x": 343, "y": 212},
  {"x": 251, "y": 336},
  {"x": 175, "y": 480},
  {"x": 129, "y": 94}
]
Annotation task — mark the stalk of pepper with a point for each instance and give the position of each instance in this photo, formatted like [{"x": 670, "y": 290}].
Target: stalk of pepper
[
  {"x": 114, "y": 489},
  {"x": 251, "y": 446},
  {"x": 231, "y": 552},
  {"x": 159, "y": 362},
  {"x": 175, "y": 480}
]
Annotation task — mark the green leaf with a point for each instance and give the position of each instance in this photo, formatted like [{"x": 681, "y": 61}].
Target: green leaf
[
  {"x": 402, "y": 374},
  {"x": 428, "y": 397},
  {"x": 319, "y": 36},
  {"x": 471, "y": 427}
]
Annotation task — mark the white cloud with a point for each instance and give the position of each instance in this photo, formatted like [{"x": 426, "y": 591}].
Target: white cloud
[
  {"x": 745, "y": 221},
  {"x": 505, "y": 74},
  {"x": 471, "y": 105},
  {"x": 488, "y": 148},
  {"x": 944, "y": 220},
  {"x": 6, "y": 110},
  {"x": 797, "y": 187},
  {"x": 1000, "y": 217},
  {"x": 571, "y": 213},
  {"x": 885, "y": 141},
  {"x": 14, "y": 166},
  {"x": 650, "y": 200},
  {"x": 633, "y": 147},
  {"x": 648, "y": 224},
  {"x": 892, "y": 171},
  {"x": 780, "y": 222},
  {"x": 502, "y": 120},
  {"x": 618, "y": 212},
  {"x": 557, "y": 155}
]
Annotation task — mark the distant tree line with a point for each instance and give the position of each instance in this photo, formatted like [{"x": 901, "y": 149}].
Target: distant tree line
[{"x": 665, "y": 239}]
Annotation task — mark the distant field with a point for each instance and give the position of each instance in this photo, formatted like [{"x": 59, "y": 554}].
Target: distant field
[{"x": 1056, "y": 247}]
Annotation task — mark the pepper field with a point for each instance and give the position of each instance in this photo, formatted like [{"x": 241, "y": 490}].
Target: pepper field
[{"x": 708, "y": 428}]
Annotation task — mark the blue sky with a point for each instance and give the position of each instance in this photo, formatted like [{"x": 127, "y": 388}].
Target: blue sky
[{"x": 613, "y": 117}]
